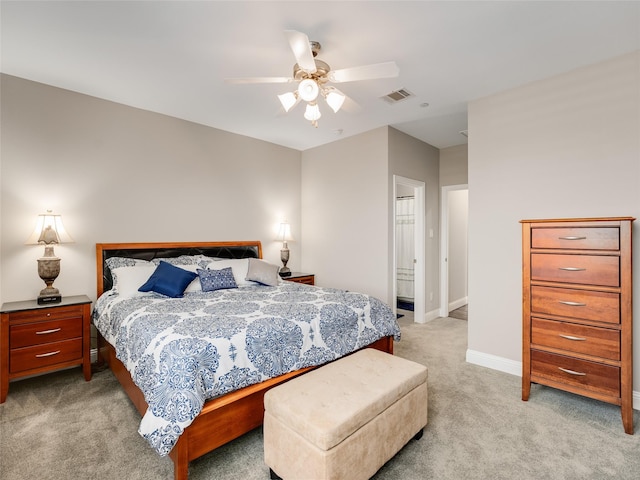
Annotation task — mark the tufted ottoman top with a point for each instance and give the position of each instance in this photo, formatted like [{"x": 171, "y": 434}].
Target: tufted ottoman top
[{"x": 328, "y": 404}]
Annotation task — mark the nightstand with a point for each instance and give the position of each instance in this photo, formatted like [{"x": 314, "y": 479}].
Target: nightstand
[
  {"x": 36, "y": 338},
  {"x": 299, "y": 277}
]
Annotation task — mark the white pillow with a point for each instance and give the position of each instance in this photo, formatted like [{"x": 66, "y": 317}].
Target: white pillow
[
  {"x": 239, "y": 267},
  {"x": 127, "y": 280},
  {"x": 195, "y": 285}
]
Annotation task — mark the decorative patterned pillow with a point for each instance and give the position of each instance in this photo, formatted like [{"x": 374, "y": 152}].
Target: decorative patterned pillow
[
  {"x": 168, "y": 280},
  {"x": 216, "y": 279},
  {"x": 239, "y": 266},
  {"x": 263, "y": 272}
]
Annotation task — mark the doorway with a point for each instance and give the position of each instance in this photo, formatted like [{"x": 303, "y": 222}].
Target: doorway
[
  {"x": 409, "y": 245},
  {"x": 454, "y": 204}
]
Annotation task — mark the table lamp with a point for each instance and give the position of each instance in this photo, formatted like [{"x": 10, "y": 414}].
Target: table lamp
[{"x": 49, "y": 231}]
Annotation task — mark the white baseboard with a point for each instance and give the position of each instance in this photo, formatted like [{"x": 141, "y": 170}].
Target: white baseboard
[
  {"x": 514, "y": 368},
  {"x": 432, "y": 315},
  {"x": 493, "y": 362},
  {"x": 94, "y": 355},
  {"x": 461, "y": 302}
]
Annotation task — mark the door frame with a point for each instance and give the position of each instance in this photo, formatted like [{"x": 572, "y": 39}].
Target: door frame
[
  {"x": 419, "y": 190},
  {"x": 444, "y": 245}
]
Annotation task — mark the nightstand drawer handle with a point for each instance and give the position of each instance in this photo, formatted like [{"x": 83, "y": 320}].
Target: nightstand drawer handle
[
  {"x": 572, "y": 238},
  {"x": 44, "y": 332},
  {"x": 572, "y": 304},
  {"x": 50, "y": 354},
  {"x": 572, "y": 269},
  {"x": 572, "y": 372},
  {"x": 570, "y": 337}
]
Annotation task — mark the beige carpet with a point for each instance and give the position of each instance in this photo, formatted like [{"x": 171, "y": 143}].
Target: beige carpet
[{"x": 60, "y": 427}]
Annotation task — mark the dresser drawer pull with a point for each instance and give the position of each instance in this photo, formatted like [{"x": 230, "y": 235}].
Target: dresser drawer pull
[
  {"x": 44, "y": 332},
  {"x": 572, "y": 372},
  {"x": 570, "y": 337},
  {"x": 572, "y": 269},
  {"x": 50, "y": 354},
  {"x": 572, "y": 238},
  {"x": 572, "y": 304}
]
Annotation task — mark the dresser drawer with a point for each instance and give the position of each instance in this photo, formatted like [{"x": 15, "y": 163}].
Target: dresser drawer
[
  {"x": 583, "y": 304},
  {"x": 583, "y": 269},
  {"x": 28, "y": 358},
  {"x": 37, "y": 315},
  {"x": 592, "y": 376},
  {"x": 599, "y": 342},
  {"x": 28, "y": 334},
  {"x": 581, "y": 238}
]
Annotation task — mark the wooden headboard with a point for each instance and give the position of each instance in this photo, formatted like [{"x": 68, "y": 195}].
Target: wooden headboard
[{"x": 149, "y": 251}]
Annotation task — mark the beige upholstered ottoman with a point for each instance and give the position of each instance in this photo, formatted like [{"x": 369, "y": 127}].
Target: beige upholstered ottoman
[{"x": 344, "y": 420}]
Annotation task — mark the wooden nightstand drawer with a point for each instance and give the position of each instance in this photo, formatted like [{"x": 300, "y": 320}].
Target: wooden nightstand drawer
[
  {"x": 592, "y": 376},
  {"x": 44, "y": 314},
  {"x": 30, "y": 334},
  {"x": 298, "y": 277},
  {"x": 582, "y": 304},
  {"x": 595, "y": 341},
  {"x": 29, "y": 358},
  {"x": 581, "y": 269},
  {"x": 36, "y": 339},
  {"x": 581, "y": 238}
]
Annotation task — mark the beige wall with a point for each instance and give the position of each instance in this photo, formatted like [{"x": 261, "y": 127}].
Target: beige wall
[
  {"x": 345, "y": 202},
  {"x": 457, "y": 248},
  {"x": 454, "y": 168},
  {"x": 567, "y": 146},
  {"x": 416, "y": 160},
  {"x": 120, "y": 174}
]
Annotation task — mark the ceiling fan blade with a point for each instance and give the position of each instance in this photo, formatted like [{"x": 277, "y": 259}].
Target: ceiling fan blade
[
  {"x": 301, "y": 48},
  {"x": 365, "y": 72},
  {"x": 351, "y": 106},
  {"x": 259, "y": 80}
]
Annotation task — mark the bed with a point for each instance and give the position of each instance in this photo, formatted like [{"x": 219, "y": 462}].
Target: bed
[{"x": 226, "y": 380}]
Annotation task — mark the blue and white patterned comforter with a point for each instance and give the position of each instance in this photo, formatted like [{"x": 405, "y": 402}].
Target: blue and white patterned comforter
[{"x": 183, "y": 351}]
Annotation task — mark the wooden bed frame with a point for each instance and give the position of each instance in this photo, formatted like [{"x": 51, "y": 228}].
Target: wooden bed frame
[{"x": 224, "y": 418}]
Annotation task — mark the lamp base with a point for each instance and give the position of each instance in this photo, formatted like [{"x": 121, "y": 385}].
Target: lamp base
[
  {"x": 47, "y": 299},
  {"x": 284, "y": 272}
]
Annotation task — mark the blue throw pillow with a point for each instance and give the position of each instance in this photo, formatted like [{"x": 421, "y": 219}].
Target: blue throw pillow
[
  {"x": 168, "y": 280},
  {"x": 216, "y": 279}
]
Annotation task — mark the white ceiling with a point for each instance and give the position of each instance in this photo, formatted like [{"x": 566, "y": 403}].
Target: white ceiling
[{"x": 173, "y": 57}]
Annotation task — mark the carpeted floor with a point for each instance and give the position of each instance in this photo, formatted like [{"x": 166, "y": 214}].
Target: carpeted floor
[
  {"x": 60, "y": 427},
  {"x": 461, "y": 313}
]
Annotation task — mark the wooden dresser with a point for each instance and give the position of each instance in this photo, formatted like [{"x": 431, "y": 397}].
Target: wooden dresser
[{"x": 577, "y": 312}]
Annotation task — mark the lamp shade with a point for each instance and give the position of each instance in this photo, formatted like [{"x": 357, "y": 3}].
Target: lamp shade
[
  {"x": 288, "y": 100},
  {"x": 49, "y": 229},
  {"x": 284, "y": 233},
  {"x": 312, "y": 113},
  {"x": 335, "y": 99}
]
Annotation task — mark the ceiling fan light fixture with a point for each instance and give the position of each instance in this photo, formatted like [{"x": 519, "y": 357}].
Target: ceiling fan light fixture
[
  {"x": 288, "y": 100},
  {"x": 335, "y": 99},
  {"x": 308, "y": 90},
  {"x": 312, "y": 113}
]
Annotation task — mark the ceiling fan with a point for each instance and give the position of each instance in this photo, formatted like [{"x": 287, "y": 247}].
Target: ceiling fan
[{"x": 313, "y": 77}]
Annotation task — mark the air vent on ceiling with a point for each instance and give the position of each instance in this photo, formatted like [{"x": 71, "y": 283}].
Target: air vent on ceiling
[{"x": 397, "y": 96}]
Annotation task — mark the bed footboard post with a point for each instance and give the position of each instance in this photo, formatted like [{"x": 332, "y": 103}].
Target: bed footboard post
[
  {"x": 101, "y": 345},
  {"x": 180, "y": 456}
]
